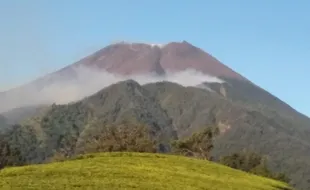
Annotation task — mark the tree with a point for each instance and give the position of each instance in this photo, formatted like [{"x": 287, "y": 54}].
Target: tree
[
  {"x": 10, "y": 154},
  {"x": 123, "y": 137},
  {"x": 198, "y": 145},
  {"x": 245, "y": 161},
  {"x": 253, "y": 163}
]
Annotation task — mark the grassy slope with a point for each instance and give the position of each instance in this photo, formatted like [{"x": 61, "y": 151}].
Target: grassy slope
[{"x": 132, "y": 171}]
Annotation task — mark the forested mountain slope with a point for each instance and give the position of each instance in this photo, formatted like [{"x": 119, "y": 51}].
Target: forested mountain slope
[{"x": 171, "y": 111}]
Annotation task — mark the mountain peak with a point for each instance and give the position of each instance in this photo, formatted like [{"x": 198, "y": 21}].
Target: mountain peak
[
  {"x": 128, "y": 60},
  {"x": 148, "y": 44},
  {"x": 131, "y": 58},
  {"x": 160, "y": 45}
]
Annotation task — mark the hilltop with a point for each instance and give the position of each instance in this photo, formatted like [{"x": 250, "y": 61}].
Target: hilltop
[{"x": 133, "y": 171}]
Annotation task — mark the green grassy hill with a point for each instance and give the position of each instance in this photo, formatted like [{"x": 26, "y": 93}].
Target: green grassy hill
[{"x": 133, "y": 171}]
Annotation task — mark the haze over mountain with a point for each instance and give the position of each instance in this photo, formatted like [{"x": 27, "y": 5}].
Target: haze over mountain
[
  {"x": 178, "y": 62},
  {"x": 176, "y": 90}
]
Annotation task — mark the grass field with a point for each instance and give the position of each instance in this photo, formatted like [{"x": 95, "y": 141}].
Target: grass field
[{"x": 132, "y": 171}]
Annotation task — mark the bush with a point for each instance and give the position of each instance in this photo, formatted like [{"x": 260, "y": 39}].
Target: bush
[
  {"x": 245, "y": 161},
  {"x": 253, "y": 163},
  {"x": 198, "y": 145},
  {"x": 120, "y": 138}
]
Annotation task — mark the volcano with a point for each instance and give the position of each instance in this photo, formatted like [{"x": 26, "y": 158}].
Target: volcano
[
  {"x": 124, "y": 59},
  {"x": 166, "y": 96},
  {"x": 136, "y": 58}
]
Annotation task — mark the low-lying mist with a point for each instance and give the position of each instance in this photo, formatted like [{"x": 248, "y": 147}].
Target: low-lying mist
[{"x": 87, "y": 82}]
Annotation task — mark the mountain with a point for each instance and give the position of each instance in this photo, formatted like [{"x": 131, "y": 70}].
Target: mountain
[
  {"x": 138, "y": 58},
  {"x": 172, "y": 112},
  {"x": 98, "y": 91},
  {"x": 122, "y": 59},
  {"x": 80, "y": 121},
  {"x": 18, "y": 115}
]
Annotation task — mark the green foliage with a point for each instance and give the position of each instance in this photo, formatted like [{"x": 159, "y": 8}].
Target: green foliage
[
  {"x": 198, "y": 145},
  {"x": 252, "y": 162},
  {"x": 173, "y": 112},
  {"x": 252, "y": 118},
  {"x": 281, "y": 177},
  {"x": 10, "y": 154},
  {"x": 245, "y": 161},
  {"x": 3, "y": 123},
  {"x": 133, "y": 171},
  {"x": 120, "y": 138}
]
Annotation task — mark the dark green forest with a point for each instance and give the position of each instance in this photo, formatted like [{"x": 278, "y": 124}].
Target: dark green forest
[{"x": 267, "y": 139}]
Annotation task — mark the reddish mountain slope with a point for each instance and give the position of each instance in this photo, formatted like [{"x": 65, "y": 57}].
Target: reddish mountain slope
[
  {"x": 119, "y": 58},
  {"x": 180, "y": 56},
  {"x": 137, "y": 58}
]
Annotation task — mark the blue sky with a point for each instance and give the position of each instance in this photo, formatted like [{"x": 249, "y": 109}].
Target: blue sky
[{"x": 267, "y": 41}]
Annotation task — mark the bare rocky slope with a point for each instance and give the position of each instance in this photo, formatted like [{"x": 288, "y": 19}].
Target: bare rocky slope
[{"x": 135, "y": 58}]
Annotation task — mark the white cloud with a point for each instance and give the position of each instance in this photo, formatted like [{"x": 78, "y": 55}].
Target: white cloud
[{"x": 90, "y": 81}]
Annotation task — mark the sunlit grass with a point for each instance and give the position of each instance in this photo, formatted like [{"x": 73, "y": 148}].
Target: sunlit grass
[{"x": 132, "y": 171}]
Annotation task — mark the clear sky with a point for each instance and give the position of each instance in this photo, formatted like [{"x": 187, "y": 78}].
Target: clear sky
[{"x": 267, "y": 41}]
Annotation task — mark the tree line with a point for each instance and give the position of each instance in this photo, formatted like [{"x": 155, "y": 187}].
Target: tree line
[{"x": 138, "y": 138}]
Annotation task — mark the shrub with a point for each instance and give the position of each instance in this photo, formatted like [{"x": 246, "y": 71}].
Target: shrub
[
  {"x": 198, "y": 145},
  {"x": 129, "y": 138},
  {"x": 252, "y": 162}
]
